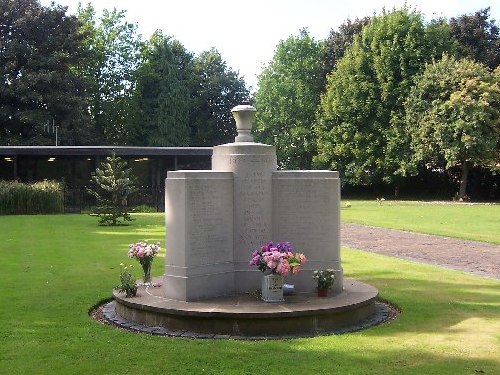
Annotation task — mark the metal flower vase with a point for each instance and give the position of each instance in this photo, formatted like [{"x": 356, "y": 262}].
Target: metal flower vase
[{"x": 272, "y": 288}]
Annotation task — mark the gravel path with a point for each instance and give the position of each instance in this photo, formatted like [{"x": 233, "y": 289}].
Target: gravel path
[{"x": 479, "y": 258}]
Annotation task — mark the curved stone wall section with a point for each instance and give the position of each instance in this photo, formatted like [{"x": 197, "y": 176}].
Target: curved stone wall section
[
  {"x": 199, "y": 239},
  {"x": 306, "y": 213}
]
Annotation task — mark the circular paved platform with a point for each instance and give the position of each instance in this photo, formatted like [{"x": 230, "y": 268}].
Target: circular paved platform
[{"x": 245, "y": 316}]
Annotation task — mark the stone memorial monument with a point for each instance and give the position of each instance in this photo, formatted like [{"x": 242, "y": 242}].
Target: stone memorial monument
[{"x": 215, "y": 219}]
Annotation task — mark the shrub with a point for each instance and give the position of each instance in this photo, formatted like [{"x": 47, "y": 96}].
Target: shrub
[
  {"x": 144, "y": 208},
  {"x": 45, "y": 197}
]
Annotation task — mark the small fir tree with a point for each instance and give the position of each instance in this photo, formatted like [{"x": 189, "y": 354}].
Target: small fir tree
[{"x": 112, "y": 183}]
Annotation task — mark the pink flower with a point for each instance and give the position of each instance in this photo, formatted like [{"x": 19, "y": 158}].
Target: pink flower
[
  {"x": 271, "y": 264},
  {"x": 277, "y": 259},
  {"x": 276, "y": 255},
  {"x": 301, "y": 257},
  {"x": 283, "y": 268},
  {"x": 143, "y": 250},
  {"x": 255, "y": 260}
]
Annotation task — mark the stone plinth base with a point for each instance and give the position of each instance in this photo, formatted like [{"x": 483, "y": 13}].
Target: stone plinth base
[{"x": 245, "y": 315}]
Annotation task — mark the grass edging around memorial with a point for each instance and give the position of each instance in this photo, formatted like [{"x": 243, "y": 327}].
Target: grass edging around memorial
[
  {"x": 478, "y": 222},
  {"x": 56, "y": 267}
]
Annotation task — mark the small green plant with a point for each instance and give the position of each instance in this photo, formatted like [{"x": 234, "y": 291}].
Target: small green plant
[
  {"x": 112, "y": 184},
  {"x": 127, "y": 281},
  {"x": 144, "y": 208},
  {"x": 324, "y": 278}
]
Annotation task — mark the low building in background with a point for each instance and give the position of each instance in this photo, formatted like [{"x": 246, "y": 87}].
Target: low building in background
[{"x": 74, "y": 165}]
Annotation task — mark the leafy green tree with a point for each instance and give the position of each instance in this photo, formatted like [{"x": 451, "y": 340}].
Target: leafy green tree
[
  {"x": 163, "y": 94},
  {"x": 360, "y": 127},
  {"x": 184, "y": 99},
  {"x": 478, "y": 36},
  {"x": 109, "y": 71},
  {"x": 289, "y": 93},
  {"x": 215, "y": 89},
  {"x": 39, "y": 48},
  {"x": 111, "y": 185},
  {"x": 338, "y": 41},
  {"x": 453, "y": 113}
]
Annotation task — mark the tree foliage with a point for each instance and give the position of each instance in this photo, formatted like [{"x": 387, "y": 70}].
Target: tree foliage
[
  {"x": 114, "y": 47},
  {"x": 478, "y": 36},
  {"x": 338, "y": 104},
  {"x": 111, "y": 185},
  {"x": 453, "y": 114},
  {"x": 39, "y": 48},
  {"x": 185, "y": 100},
  {"x": 215, "y": 90},
  {"x": 163, "y": 94},
  {"x": 338, "y": 41},
  {"x": 289, "y": 93},
  {"x": 360, "y": 125}
]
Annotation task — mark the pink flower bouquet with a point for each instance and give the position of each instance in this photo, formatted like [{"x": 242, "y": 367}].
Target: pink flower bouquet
[
  {"x": 144, "y": 252},
  {"x": 277, "y": 259}
]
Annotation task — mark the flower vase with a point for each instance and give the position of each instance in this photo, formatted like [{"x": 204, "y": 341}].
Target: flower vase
[
  {"x": 146, "y": 269},
  {"x": 272, "y": 288},
  {"x": 322, "y": 292}
]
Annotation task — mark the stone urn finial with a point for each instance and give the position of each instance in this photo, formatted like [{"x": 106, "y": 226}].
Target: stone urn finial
[{"x": 244, "y": 116}]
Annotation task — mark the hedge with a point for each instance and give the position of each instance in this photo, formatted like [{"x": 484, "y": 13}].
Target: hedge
[{"x": 18, "y": 198}]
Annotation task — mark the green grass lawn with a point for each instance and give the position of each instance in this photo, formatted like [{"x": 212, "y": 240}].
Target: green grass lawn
[
  {"x": 480, "y": 222},
  {"x": 54, "y": 268}
]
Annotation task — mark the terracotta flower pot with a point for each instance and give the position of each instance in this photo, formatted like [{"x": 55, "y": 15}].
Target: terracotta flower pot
[{"x": 322, "y": 292}]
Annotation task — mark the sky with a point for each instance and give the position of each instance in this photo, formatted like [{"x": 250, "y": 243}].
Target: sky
[{"x": 247, "y": 33}]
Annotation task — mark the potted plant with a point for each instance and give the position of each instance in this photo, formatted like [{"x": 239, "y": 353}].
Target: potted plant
[
  {"x": 276, "y": 262},
  {"x": 127, "y": 282},
  {"x": 324, "y": 280},
  {"x": 144, "y": 252}
]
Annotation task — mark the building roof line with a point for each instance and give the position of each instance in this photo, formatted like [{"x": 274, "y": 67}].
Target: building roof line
[{"x": 104, "y": 151}]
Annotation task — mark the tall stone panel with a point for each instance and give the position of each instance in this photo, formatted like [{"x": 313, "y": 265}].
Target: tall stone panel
[
  {"x": 252, "y": 165},
  {"x": 306, "y": 213},
  {"x": 199, "y": 238}
]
